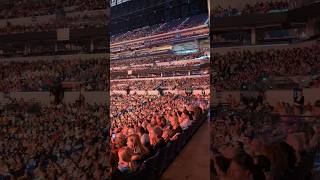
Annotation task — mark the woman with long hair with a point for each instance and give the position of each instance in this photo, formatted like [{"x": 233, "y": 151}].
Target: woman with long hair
[
  {"x": 139, "y": 150},
  {"x": 125, "y": 164},
  {"x": 242, "y": 167}
]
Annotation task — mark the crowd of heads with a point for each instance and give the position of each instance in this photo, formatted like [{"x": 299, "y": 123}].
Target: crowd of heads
[
  {"x": 40, "y": 75},
  {"x": 257, "y": 8},
  {"x": 65, "y": 141},
  {"x": 269, "y": 143},
  {"x": 18, "y": 9},
  {"x": 176, "y": 24},
  {"x": 142, "y": 124},
  {"x": 238, "y": 68},
  {"x": 75, "y": 22}
]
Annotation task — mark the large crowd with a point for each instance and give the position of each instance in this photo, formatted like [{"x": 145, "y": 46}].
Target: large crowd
[
  {"x": 257, "y": 8},
  {"x": 253, "y": 140},
  {"x": 144, "y": 124},
  {"x": 176, "y": 24},
  {"x": 241, "y": 68},
  {"x": 76, "y": 22},
  {"x": 40, "y": 75},
  {"x": 18, "y": 9},
  {"x": 65, "y": 141}
]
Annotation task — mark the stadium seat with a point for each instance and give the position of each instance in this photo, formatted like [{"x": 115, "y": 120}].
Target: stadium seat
[
  {"x": 163, "y": 154},
  {"x": 140, "y": 174},
  {"x": 150, "y": 167}
]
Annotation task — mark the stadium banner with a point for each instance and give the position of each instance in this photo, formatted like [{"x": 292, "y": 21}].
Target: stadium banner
[
  {"x": 185, "y": 48},
  {"x": 162, "y": 48},
  {"x": 63, "y": 34}
]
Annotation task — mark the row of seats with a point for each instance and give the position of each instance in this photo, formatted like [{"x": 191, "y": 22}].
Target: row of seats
[{"x": 154, "y": 167}]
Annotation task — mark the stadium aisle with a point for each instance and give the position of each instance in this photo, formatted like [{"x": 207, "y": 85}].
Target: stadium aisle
[{"x": 193, "y": 161}]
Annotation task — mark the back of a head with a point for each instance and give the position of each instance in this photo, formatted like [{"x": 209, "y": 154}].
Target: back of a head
[
  {"x": 290, "y": 153},
  {"x": 241, "y": 167},
  {"x": 222, "y": 162},
  {"x": 281, "y": 156},
  {"x": 157, "y": 131},
  {"x": 142, "y": 130},
  {"x": 246, "y": 162},
  {"x": 263, "y": 163},
  {"x": 197, "y": 112}
]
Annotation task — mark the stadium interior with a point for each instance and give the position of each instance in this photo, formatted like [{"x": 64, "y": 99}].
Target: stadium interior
[
  {"x": 160, "y": 89},
  {"x": 159, "y": 85}
]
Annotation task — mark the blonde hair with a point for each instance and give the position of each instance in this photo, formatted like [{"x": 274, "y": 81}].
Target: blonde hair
[
  {"x": 125, "y": 155},
  {"x": 137, "y": 145},
  {"x": 157, "y": 131}
]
